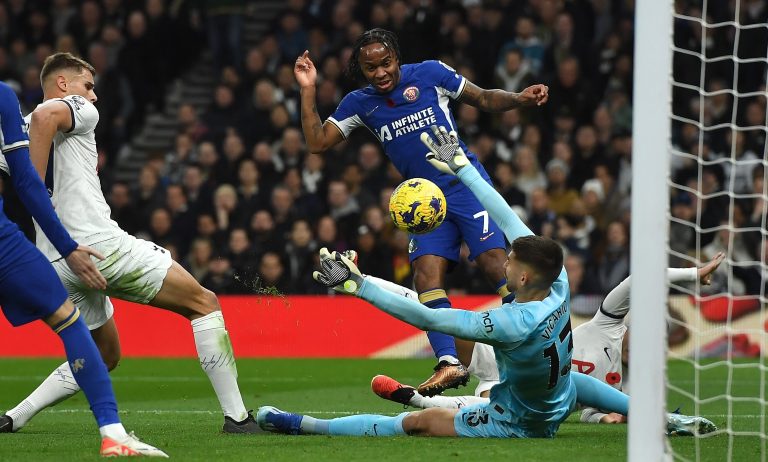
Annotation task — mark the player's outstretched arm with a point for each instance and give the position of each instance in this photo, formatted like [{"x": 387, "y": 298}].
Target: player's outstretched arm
[
  {"x": 616, "y": 303},
  {"x": 320, "y": 137},
  {"x": 500, "y": 100},
  {"x": 341, "y": 274},
  {"x": 446, "y": 155}
]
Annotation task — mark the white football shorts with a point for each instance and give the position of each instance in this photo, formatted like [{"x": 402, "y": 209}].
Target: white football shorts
[
  {"x": 134, "y": 270},
  {"x": 483, "y": 366}
]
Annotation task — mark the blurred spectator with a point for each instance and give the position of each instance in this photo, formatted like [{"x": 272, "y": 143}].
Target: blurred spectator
[
  {"x": 115, "y": 103},
  {"x": 561, "y": 197},
  {"x": 613, "y": 262},
  {"x": 224, "y": 19},
  {"x": 272, "y": 274},
  {"x": 220, "y": 278},
  {"x": 300, "y": 251},
  {"x": 529, "y": 176},
  {"x": 262, "y": 233},
  {"x": 240, "y": 253},
  {"x": 199, "y": 258},
  {"x": 123, "y": 211},
  {"x": 505, "y": 178}
]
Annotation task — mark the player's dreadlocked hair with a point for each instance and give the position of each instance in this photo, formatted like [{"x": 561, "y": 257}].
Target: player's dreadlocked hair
[{"x": 383, "y": 36}]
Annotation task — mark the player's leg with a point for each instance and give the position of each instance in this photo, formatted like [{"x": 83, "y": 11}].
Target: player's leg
[
  {"x": 595, "y": 393},
  {"x": 392, "y": 390},
  {"x": 143, "y": 272},
  {"x": 182, "y": 294},
  {"x": 96, "y": 311},
  {"x": 274, "y": 420},
  {"x": 44, "y": 297}
]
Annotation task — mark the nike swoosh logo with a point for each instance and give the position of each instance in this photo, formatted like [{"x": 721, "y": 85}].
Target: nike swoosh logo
[
  {"x": 606, "y": 353},
  {"x": 483, "y": 238},
  {"x": 374, "y": 430},
  {"x": 371, "y": 111}
]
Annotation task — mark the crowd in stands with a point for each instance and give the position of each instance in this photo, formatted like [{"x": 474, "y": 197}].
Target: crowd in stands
[{"x": 244, "y": 206}]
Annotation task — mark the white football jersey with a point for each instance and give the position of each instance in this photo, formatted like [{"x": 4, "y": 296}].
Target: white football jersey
[
  {"x": 597, "y": 342},
  {"x": 76, "y": 195}
]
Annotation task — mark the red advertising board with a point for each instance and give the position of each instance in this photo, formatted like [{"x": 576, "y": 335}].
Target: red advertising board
[{"x": 296, "y": 326}]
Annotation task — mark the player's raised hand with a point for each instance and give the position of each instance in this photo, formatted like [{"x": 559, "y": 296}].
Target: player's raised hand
[
  {"x": 338, "y": 272},
  {"x": 705, "y": 272},
  {"x": 535, "y": 95},
  {"x": 445, "y": 153},
  {"x": 79, "y": 261},
  {"x": 305, "y": 71}
]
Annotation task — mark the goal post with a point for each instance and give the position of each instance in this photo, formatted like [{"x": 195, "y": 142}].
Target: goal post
[
  {"x": 651, "y": 145},
  {"x": 700, "y": 187}
]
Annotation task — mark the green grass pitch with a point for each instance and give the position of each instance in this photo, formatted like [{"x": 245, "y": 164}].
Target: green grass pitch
[{"x": 170, "y": 403}]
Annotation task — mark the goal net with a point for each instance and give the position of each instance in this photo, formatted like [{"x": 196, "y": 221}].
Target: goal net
[{"x": 705, "y": 112}]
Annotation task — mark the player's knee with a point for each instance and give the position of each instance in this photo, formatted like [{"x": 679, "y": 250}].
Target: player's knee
[
  {"x": 204, "y": 302},
  {"x": 413, "y": 423},
  {"x": 111, "y": 359}
]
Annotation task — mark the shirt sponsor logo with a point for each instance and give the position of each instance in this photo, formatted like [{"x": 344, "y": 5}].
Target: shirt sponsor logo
[{"x": 411, "y": 94}]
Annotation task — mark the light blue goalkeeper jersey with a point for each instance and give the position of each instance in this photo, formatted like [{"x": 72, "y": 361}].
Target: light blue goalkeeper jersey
[{"x": 532, "y": 341}]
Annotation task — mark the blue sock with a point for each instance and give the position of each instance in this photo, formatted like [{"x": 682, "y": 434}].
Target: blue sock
[
  {"x": 88, "y": 368},
  {"x": 594, "y": 393},
  {"x": 442, "y": 344},
  {"x": 504, "y": 293},
  {"x": 355, "y": 425}
]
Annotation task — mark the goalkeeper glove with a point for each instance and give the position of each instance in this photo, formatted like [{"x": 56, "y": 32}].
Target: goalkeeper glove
[
  {"x": 338, "y": 272},
  {"x": 444, "y": 154}
]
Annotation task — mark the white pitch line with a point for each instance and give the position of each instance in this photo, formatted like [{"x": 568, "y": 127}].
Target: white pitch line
[
  {"x": 139, "y": 378},
  {"x": 200, "y": 412}
]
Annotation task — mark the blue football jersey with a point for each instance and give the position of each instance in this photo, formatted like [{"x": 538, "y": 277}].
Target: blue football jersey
[
  {"x": 398, "y": 117},
  {"x": 13, "y": 135}
]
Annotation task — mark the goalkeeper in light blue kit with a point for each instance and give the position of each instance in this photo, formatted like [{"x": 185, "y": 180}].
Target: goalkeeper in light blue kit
[{"x": 531, "y": 336}]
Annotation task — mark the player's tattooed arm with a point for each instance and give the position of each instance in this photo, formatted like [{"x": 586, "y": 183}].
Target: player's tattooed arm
[
  {"x": 320, "y": 137},
  {"x": 46, "y": 121},
  {"x": 500, "y": 100}
]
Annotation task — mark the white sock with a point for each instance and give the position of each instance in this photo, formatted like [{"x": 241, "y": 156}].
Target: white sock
[
  {"x": 218, "y": 361},
  {"x": 57, "y": 387},
  {"x": 450, "y": 358},
  {"x": 116, "y": 431},
  {"x": 446, "y": 402}
]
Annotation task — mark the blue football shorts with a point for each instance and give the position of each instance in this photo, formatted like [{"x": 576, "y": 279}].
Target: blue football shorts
[
  {"x": 29, "y": 287},
  {"x": 466, "y": 220}
]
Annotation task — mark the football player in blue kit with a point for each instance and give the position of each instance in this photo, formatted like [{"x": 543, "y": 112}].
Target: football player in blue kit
[
  {"x": 531, "y": 336},
  {"x": 400, "y": 102},
  {"x": 30, "y": 290}
]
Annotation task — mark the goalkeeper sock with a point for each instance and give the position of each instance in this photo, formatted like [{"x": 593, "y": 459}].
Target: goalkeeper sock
[
  {"x": 218, "y": 361},
  {"x": 442, "y": 344},
  {"x": 594, "y": 393},
  {"x": 57, "y": 387},
  {"x": 88, "y": 368},
  {"x": 355, "y": 425},
  {"x": 446, "y": 402}
]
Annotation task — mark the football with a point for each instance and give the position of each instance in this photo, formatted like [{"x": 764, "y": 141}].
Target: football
[{"x": 417, "y": 206}]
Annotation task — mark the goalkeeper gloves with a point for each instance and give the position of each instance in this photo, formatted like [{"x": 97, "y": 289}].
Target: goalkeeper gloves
[
  {"x": 338, "y": 272},
  {"x": 444, "y": 154}
]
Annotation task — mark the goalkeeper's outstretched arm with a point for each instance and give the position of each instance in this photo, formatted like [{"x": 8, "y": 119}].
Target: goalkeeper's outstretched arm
[{"x": 446, "y": 155}]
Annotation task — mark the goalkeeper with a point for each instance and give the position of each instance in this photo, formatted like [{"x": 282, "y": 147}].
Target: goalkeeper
[
  {"x": 601, "y": 349},
  {"x": 531, "y": 336}
]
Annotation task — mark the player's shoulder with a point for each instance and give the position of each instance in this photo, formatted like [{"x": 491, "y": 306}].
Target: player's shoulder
[
  {"x": 430, "y": 66},
  {"x": 78, "y": 102}
]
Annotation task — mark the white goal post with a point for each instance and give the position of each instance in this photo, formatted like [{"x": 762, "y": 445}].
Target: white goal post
[{"x": 650, "y": 166}]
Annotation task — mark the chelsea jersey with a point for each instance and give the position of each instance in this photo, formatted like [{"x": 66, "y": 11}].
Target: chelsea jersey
[{"x": 397, "y": 118}]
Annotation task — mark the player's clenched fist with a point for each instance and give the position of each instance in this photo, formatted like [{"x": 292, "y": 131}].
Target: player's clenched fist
[
  {"x": 305, "y": 71},
  {"x": 535, "y": 95}
]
